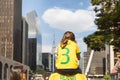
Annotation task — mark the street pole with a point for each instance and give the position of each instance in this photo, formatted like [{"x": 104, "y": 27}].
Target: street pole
[
  {"x": 106, "y": 55},
  {"x": 53, "y": 61},
  {"x": 53, "y": 51},
  {"x": 5, "y": 47}
]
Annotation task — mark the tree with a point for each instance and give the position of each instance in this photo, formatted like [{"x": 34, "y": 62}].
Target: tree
[
  {"x": 108, "y": 23},
  {"x": 97, "y": 40},
  {"x": 107, "y": 77}
]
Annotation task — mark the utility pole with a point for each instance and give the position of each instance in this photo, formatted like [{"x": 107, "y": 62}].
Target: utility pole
[
  {"x": 107, "y": 52},
  {"x": 5, "y": 47},
  {"x": 53, "y": 51}
]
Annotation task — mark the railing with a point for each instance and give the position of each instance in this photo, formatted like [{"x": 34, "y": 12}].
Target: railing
[
  {"x": 114, "y": 76},
  {"x": 8, "y": 65},
  {"x": 89, "y": 62}
]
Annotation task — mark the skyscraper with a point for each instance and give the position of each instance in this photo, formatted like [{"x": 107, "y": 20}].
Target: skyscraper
[
  {"x": 34, "y": 31},
  {"x": 32, "y": 23},
  {"x": 32, "y": 53},
  {"x": 11, "y": 38},
  {"x": 10, "y": 29},
  {"x": 25, "y": 46}
]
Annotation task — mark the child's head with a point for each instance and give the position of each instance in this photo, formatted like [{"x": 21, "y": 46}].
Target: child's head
[{"x": 68, "y": 35}]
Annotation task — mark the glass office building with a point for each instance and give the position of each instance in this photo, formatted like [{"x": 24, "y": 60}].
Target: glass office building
[{"x": 34, "y": 31}]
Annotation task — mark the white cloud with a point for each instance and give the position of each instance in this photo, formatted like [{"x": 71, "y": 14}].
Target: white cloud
[{"x": 78, "y": 21}]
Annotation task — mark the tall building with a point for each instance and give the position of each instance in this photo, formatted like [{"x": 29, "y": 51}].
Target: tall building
[
  {"x": 25, "y": 53},
  {"x": 34, "y": 31},
  {"x": 32, "y": 53},
  {"x": 47, "y": 61},
  {"x": 31, "y": 19},
  {"x": 10, "y": 29},
  {"x": 11, "y": 38}
]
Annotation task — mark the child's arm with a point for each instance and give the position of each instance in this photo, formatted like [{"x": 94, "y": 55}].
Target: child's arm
[{"x": 78, "y": 56}]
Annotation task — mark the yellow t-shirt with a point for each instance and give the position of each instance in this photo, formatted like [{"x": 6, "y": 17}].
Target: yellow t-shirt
[
  {"x": 57, "y": 76},
  {"x": 67, "y": 58}
]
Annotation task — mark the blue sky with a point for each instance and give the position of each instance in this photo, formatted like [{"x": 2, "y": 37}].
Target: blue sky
[{"x": 58, "y": 16}]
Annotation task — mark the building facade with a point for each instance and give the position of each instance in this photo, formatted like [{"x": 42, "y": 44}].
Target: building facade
[
  {"x": 10, "y": 37},
  {"x": 32, "y": 22},
  {"x": 34, "y": 31},
  {"x": 25, "y": 46},
  {"x": 32, "y": 53},
  {"x": 47, "y": 61},
  {"x": 97, "y": 67},
  {"x": 10, "y": 29}
]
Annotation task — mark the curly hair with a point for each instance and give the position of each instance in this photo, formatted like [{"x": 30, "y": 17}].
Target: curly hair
[
  {"x": 68, "y": 35},
  {"x": 15, "y": 76}
]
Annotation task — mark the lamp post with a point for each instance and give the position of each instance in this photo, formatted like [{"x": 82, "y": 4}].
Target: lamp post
[
  {"x": 53, "y": 61},
  {"x": 107, "y": 48},
  {"x": 53, "y": 51},
  {"x": 5, "y": 47},
  {"x": 106, "y": 55}
]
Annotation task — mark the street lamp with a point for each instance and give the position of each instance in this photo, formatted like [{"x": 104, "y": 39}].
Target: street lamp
[
  {"x": 53, "y": 51},
  {"x": 5, "y": 47},
  {"x": 107, "y": 49}
]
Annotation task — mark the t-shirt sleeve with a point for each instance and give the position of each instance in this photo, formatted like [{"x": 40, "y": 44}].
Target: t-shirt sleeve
[{"x": 77, "y": 49}]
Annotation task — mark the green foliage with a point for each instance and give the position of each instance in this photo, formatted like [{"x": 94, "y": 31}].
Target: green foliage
[
  {"x": 96, "y": 2},
  {"x": 45, "y": 73},
  {"x": 31, "y": 73},
  {"x": 107, "y": 77},
  {"x": 104, "y": 22},
  {"x": 108, "y": 25},
  {"x": 95, "y": 42}
]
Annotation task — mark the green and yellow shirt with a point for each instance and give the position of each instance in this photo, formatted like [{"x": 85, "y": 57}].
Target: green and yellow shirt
[
  {"x": 67, "y": 57},
  {"x": 57, "y": 76}
]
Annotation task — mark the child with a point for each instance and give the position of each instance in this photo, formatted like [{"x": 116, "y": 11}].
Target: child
[{"x": 68, "y": 55}]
